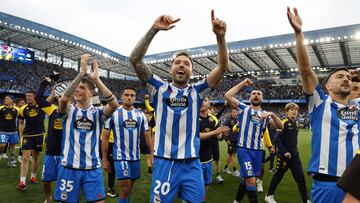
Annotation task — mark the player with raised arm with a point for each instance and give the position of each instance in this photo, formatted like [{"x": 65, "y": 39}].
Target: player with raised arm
[
  {"x": 252, "y": 124},
  {"x": 82, "y": 124},
  {"x": 176, "y": 149},
  {"x": 334, "y": 121}
]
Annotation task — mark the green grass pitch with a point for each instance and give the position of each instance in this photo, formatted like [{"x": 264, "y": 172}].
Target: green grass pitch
[{"x": 287, "y": 190}]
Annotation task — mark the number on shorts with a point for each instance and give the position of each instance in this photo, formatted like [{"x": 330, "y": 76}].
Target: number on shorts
[
  {"x": 164, "y": 188},
  {"x": 66, "y": 185},
  {"x": 248, "y": 165}
]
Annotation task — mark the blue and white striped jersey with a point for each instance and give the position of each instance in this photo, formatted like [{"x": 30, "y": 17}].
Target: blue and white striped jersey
[
  {"x": 251, "y": 127},
  {"x": 177, "y": 118},
  {"x": 81, "y": 137},
  {"x": 335, "y": 129},
  {"x": 127, "y": 127}
]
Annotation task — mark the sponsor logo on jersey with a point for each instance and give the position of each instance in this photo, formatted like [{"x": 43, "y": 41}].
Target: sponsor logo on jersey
[
  {"x": 350, "y": 113},
  {"x": 84, "y": 125},
  {"x": 255, "y": 119},
  {"x": 181, "y": 102},
  {"x": 130, "y": 123}
]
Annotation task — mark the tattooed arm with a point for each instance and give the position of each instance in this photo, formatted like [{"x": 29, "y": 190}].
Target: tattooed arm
[
  {"x": 136, "y": 57},
  {"x": 64, "y": 101}
]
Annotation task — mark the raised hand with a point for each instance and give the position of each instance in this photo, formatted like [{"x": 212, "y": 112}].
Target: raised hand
[
  {"x": 165, "y": 22},
  {"x": 247, "y": 82},
  {"x": 94, "y": 75},
  {"x": 218, "y": 26},
  {"x": 84, "y": 62},
  {"x": 294, "y": 19}
]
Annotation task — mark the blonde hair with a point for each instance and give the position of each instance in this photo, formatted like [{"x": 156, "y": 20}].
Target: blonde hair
[{"x": 291, "y": 105}]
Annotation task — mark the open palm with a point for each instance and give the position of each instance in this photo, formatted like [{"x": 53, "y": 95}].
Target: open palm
[
  {"x": 165, "y": 22},
  {"x": 294, "y": 19}
]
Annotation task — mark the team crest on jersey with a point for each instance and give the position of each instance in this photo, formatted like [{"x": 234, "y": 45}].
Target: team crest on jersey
[
  {"x": 349, "y": 113},
  {"x": 64, "y": 196},
  {"x": 249, "y": 172},
  {"x": 126, "y": 172},
  {"x": 33, "y": 112},
  {"x": 255, "y": 119},
  {"x": 84, "y": 125},
  {"x": 58, "y": 124},
  {"x": 181, "y": 102},
  {"x": 93, "y": 110},
  {"x": 130, "y": 123},
  {"x": 157, "y": 198},
  {"x": 8, "y": 116}
]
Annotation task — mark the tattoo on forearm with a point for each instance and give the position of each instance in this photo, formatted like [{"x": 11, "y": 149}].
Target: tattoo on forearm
[
  {"x": 137, "y": 55},
  {"x": 69, "y": 91}
]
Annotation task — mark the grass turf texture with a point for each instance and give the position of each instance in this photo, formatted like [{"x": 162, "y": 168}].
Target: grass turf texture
[{"x": 287, "y": 190}]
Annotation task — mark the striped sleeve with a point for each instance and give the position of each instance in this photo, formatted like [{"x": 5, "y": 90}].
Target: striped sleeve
[
  {"x": 316, "y": 98},
  {"x": 154, "y": 84}
]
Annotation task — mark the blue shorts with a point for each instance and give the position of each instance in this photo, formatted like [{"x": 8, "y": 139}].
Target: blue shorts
[
  {"x": 184, "y": 177},
  {"x": 250, "y": 162},
  {"x": 127, "y": 169},
  {"x": 11, "y": 138},
  {"x": 50, "y": 168},
  {"x": 71, "y": 181},
  {"x": 207, "y": 172},
  {"x": 324, "y": 192}
]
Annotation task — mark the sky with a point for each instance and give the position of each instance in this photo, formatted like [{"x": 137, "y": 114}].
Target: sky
[{"x": 120, "y": 24}]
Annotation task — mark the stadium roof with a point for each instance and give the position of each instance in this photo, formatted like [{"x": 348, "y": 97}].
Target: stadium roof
[
  {"x": 328, "y": 48},
  {"x": 37, "y": 36}
]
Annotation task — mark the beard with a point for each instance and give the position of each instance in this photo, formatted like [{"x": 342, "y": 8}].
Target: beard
[{"x": 255, "y": 103}]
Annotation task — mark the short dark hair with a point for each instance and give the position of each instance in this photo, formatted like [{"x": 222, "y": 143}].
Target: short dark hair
[
  {"x": 333, "y": 72},
  {"x": 182, "y": 53},
  {"x": 31, "y": 92},
  {"x": 89, "y": 82},
  {"x": 129, "y": 88},
  {"x": 19, "y": 99}
]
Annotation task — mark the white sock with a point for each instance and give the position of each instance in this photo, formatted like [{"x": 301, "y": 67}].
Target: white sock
[
  {"x": 33, "y": 175},
  {"x": 23, "y": 179},
  {"x": 235, "y": 201}
]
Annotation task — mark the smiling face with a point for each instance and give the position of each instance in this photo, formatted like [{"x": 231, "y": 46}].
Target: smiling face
[
  {"x": 339, "y": 83},
  {"x": 181, "y": 70},
  {"x": 83, "y": 92}
]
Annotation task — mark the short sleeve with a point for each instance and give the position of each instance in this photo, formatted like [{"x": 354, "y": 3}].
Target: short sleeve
[
  {"x": 316, "y": 98},
  {"x": 154, "y": 84}
]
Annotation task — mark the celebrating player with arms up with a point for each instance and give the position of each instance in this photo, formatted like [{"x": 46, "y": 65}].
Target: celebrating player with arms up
[
  {"x": 176, "y": 149},
  {"x": 252, "y": 124},
  {"x": 334, "y": 121},
  {"x": 82, "y": 123}
]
